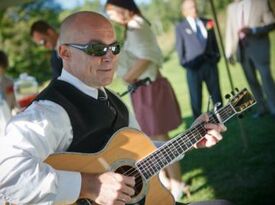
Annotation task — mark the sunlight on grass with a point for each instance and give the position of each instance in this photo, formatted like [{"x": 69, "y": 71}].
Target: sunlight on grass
[{"x": 226, "y": 170}]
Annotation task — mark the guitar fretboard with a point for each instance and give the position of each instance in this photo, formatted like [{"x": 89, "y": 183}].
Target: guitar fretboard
[{"x": 176, "y": 147}]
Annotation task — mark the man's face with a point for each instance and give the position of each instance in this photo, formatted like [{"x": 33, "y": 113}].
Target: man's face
[
  {"x": 43, "y": 39},
  {"x": 95, "y": 71},
  {"x": 189, "y": 8}
]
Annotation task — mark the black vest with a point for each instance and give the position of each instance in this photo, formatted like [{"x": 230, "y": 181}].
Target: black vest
[{"x": 92, "y": 120}]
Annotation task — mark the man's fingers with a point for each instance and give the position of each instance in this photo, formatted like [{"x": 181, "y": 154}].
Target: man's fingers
[
  {"x": 130, "y": 181},
  {"x": 123, "y": 198},
  {"x": 128, "y": 190},
  {"x": 210, "y": 140},
  {"x": 202, "y": 118},
  {"x": 217, "y": 127},
  {"x": 127, "y": 184}
]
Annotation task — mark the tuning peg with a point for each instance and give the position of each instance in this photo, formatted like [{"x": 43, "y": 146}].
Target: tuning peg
[
  {"x": 240, "y": 116},
  {"x": 237, "y": 90},
  {"x": 227, "y": 96}
]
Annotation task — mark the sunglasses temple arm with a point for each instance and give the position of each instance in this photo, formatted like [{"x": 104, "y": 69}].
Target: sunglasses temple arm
[{"x": 78, "y": 46}]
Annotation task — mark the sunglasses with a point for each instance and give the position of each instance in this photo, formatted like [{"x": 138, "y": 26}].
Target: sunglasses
[{"x": 96, "y": 49}]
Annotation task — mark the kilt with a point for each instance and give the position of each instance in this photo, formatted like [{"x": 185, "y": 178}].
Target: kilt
[{"x": 156, "y": 107}]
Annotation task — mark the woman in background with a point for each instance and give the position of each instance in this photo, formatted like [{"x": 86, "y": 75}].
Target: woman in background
[{"x": 155, "y": 105}]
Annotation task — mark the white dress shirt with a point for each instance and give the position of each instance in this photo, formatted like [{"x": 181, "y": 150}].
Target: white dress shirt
[
  {"x": 42, "y": 129},
  {"x": 192, "y": 22}
]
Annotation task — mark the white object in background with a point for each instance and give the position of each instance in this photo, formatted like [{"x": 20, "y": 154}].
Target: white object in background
[
  {"x": 5, "y": 114},
  {"x": 25, "y": 89}
]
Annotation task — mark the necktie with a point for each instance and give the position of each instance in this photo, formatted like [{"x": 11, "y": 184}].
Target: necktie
[
  {"x": 199, "y": 33},
  {"x": 102, "y": 96}
]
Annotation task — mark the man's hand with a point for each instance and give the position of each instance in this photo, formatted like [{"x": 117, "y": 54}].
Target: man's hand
[
  {"x": 107, "y": 188},
  {"x": 213, "y": 134},
  {"x": 244, "y": 32},
  {"x": 231, "y": 60}
]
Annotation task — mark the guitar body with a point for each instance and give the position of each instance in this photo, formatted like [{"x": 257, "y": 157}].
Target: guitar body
[{"x": 124, "y": 148}]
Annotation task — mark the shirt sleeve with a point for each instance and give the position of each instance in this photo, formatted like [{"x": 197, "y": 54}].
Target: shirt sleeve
[
  {"x": 268, "y": 16},
  {"x": 133, "y": 121},
  {"x": 30, "y": 138}
]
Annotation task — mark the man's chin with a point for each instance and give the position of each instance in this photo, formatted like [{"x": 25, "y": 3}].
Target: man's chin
[{"x": 106, "y": 82}]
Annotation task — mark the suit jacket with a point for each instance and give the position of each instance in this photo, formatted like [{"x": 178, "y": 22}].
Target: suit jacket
[
  {"x": 256, "y": 14},
  {"x": 56, "y": 64},
  {"x": 190, "y": 51}
]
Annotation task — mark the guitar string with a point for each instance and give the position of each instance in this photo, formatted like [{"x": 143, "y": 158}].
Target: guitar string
[
  {"x": 199, "y": 128},
  {"x": 182, "y": 138},
  {"x": 190, "y": 139},
  {"x": 196, "y": 130},
  {"x": 136, "y": 173},
  {"x": 149, "y": 159}
]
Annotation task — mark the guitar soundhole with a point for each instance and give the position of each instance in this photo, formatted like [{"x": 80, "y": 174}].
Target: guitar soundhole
[{"x": 130, "y": 171}]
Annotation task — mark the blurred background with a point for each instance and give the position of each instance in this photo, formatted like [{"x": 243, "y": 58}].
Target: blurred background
[{"x": 241, "y": 168}]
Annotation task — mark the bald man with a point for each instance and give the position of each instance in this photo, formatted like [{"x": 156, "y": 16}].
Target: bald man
[{"x": 75, "y": 113}]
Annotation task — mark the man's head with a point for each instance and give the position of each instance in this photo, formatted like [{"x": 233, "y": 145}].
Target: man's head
[
  {"x": 189, "y": 8},
  {"x": 81, "y": 47},
  {"x": 43, "y": 34}
]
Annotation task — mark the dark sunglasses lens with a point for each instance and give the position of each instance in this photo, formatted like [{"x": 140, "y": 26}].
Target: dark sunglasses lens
[
  {"x": 115, "y": 48},
  {"x": 96, "y": 49}
]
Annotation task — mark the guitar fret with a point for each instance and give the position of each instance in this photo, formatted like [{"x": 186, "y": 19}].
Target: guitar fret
[
  {"x": 167, "y": 153},
  {"x": 170, "y": 149},
  {"x": 188, "y": 142},
  {"x": 178, "y": 145},
  {"x": 175, "y": 151},
  {"x": 193, "y": 139}
]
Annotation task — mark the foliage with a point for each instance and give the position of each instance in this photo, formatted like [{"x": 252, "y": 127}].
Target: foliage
[
  {"x": 15, "y": 39},
  {"x": 24, "y": 56}
]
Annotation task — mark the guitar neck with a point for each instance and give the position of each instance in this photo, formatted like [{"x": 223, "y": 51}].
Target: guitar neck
[{"x": 176, "y": 147}]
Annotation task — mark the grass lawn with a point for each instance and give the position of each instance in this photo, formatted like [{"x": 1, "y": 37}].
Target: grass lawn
[{"x": 241, "y": 168}]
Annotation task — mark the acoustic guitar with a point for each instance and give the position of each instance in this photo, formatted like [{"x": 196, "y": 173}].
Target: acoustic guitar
[{"x": 131, "y": 153}]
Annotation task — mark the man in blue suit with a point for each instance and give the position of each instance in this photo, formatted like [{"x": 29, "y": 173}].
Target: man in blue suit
[{"x": 198, "y": 52}]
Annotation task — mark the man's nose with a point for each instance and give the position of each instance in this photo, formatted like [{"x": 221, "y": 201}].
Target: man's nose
[{"x": 109, "y": 53}]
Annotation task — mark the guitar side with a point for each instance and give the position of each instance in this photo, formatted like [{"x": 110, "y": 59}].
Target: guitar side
[{"x": 126, "y": 145}]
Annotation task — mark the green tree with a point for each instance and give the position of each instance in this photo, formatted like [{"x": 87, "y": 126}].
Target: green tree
[{"x": 15, "y": 38}]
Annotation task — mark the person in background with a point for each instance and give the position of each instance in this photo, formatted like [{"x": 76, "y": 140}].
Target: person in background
[
  {"x": 44, "y": 34},
  {"x": 6, "y": 83},
  {"x": 246, "y": 35},
  {"x": 74, "y": 103},
  {"x": 155, "y": 105},
  {"x": 7, "y": 97},
  {"x": 198, "y": 52}
]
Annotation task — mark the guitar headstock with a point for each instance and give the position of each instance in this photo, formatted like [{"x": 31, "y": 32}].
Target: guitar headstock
[{"x": 242, "y": 100}]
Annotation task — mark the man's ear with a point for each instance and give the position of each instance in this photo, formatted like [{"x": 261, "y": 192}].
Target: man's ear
[{"x": 64, "y": 52}]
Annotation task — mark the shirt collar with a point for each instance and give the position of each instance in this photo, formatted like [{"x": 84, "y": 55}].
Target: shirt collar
[
  {"x": 88, "y": 90},
  {"x": 192, "y": 22}
]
